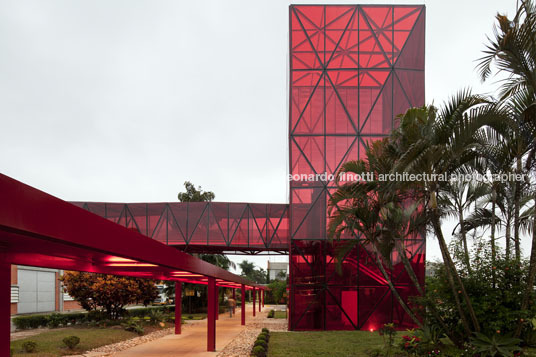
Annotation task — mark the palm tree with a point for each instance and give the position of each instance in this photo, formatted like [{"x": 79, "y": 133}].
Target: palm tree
[
  {"x": 375, "y": 218},
  {"x": 219, "y": 260},
  {"x": 513, "y": 52},
  {"x": 443, "y": 142},
  {"x": 456, "y": 197}
]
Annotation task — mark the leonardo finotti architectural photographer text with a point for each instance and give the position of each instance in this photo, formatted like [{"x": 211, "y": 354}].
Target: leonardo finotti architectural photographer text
[{"x": 407, "y": 177}]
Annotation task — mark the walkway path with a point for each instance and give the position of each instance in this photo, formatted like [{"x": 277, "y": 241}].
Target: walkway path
[{"x": 193, "y": 340}]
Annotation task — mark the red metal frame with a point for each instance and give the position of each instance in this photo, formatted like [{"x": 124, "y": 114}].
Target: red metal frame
[
  {"x": 353, "y": 68},
  {"x": 209, "y": 227}
]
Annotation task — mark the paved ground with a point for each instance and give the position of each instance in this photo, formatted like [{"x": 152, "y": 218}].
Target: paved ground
[{"x": 193, "y": 341}]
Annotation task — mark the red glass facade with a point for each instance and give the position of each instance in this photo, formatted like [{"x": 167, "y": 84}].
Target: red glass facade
[{"x": 353, "y": 69}]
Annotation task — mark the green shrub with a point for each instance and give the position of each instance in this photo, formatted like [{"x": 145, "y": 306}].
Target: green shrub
[
  {"x": 259, "y": 351},
  {"x": 261, "y": 343},
  {"x": 265, "y": 335},
  {"x": 261, "y": 337},
  {"x": 497, "y": 345},
  {"x": 52, "y": 320},
  {"x": 271, "y": 314},
  {"x": 56, "y": 320},
  {"x": 71, "y": 341},
  {"x": 156, "y": 316},
  {"x": 30, "y": 321},
  {"x": 145, "y": 311},
  {"x": 133, "y": 326},
  {"x": 264, "y": 329},
  {"x": 29, "y": 346}
]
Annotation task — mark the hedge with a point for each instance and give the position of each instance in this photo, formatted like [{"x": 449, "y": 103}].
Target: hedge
[{"x": 52, "y": 320}]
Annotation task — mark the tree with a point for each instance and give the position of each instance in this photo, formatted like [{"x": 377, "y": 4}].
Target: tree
[
  {"x": 278, "y": 289},
  {"x": 250, "y": 272},
  {"x": 195, "y": 195},
  {"x": 246, "y": 267},
  {"x": 367, "y": 211},
  {"x": 219, "y": 260},
  {"x": 513, "y": 52},
  {"x": 109, "y": 292}
]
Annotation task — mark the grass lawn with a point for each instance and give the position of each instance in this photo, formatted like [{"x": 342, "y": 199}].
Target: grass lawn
[
  {"x": 323, "y": 343},
  {"x": 330, "y": 343},
  {"x": 50, "y": 344},
  {"x": 280, "y": 314}
]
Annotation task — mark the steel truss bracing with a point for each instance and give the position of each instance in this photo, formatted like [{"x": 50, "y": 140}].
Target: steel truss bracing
[
  {"x": 353, "y": 69},
  {"x": 203, "y": 227}
]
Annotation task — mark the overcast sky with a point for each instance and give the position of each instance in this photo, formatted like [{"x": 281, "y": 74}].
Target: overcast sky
[{"x": 125, "y": 100}]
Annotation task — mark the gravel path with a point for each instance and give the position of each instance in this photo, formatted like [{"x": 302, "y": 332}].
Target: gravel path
[{"x": 243, "y": 343}]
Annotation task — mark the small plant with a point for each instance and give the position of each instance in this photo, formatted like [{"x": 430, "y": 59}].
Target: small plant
[
  {"x": 259, "y": 351},
  {"x": 190, "y": 317},
  {"x": 71, "y": 341},
  {"x": 264, "y": 329},
  {"x": 410, "y": 344},
  {"x": 496, "y": 345},
  {"x": 29, "y": 346},
  {"x": 156, "y": 317},
  {"x": 261, "y": 343},
  {"x": 388, "y": 333},
  {"x": 271, "y": 314},
  {"x": 133, "y": 326}
]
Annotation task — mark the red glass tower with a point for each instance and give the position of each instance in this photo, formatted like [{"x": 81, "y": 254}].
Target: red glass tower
[{"x": 353, "y": 69}]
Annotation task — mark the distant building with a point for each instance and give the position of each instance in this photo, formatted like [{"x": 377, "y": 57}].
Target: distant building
[
  {"x": 38, "y": 290},
  {"x": 274, "y": 269}
]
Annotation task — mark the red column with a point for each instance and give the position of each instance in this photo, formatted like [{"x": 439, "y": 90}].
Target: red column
[
  {"x": 259, "y": 293},
  {"x": 178, "y": 307},
  {"x": 217, "y": 302},
  {"x": 243, "y": 302},
  {"x": 263, "y": 298},
  {"x": 5, "y": 305},
  {"x": 254, "y": 294},
  {"x": 234, "y": 298},
  {"x": 211, "y": 315}
]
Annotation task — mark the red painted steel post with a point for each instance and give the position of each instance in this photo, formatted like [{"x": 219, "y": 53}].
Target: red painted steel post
[
  {"x": 178, "y": 307},
  {"x": 254, "y": 293},
  {"x": 243, "y": 303},
  {"x": 263, "y": 298},
  {"x": 217, "y": 302},
  {"x": 211, "y": 315},
  {"x": 5, "y": 305},
  {"x": 234, "y": 298},
  {"x": 259, "y": 293}
]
